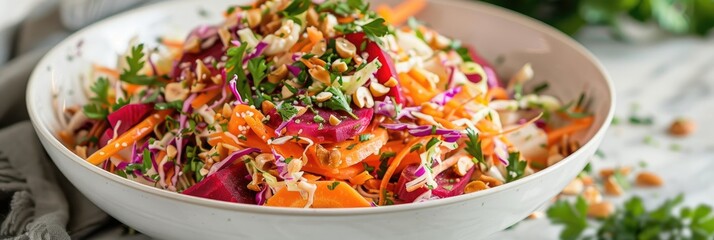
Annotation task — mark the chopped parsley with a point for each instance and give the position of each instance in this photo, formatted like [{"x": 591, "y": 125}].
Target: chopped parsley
[
  {"x": 136, "y": 62},
  {"x": 416, "y": 147},
  {"x": 540, "y": 88},
  {"x": 234, "y": 67},
  {"x": 375, "y": 29},
  {"x": 364, "y": 137},
  {"x": 286, "y": 111},
  {"x": 338, "y": 101},
  {"x": 384, "y": 163},
  {"x": 473, "y": 146},
  {"x": 97, "y": 106},
  {"x": 367, "y": 167},
  {"x": 516, "y": 168},
  {"x": 432, "y": 142},
  {"x": 333, "y": 185}
]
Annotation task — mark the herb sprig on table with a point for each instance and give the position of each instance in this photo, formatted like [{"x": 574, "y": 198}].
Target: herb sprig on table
[{"x": 634, "y": 221}]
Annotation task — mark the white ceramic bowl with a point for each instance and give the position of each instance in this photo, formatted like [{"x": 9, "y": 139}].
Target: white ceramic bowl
[{"x": 498, "y": 33}]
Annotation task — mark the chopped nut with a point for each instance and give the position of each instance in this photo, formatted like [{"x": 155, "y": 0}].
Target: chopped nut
[
  {"x": 523, "y": 75},
  {"x": 272, "y": 26},
  {"x": 226, "y": 110},
  {"x": 254, "y": 16},
  {"x": 358, "y": 60},
  {"x": 320, "y": 74},
  {"x": 197, "y": 87},
  {"x": 225, "y": 36},
  {"x": 682, "y": 127},
  {"x": 339, "y": 66},
  {"x": 475, "y": 186},
  {"x": 363, "y": 98},
  {"x": 286, "y": 93},
  {"x": 312, "y": 17},
  {"x": 463, "y": 165},
  {"x": 335, "y": 158},
  {"x": 378, "y": 89},
  {"x": 192, "y": 45},
  {"x": 592, "y": 195},
  {"x": 217, "y": 79},
  {"x": 392, "y": 82},
  {"x": 175, "y": 91},
  {"x": 81, "y": 151},
  {"x": 300, "y": 110},
  {"x": 607, "y": 172},
  {"x": 267, "y": 106},
  {"x": 327, "y": 27},
  {"x": 334, "y": 121},
  {"x": 612, "y": 187},
  {"x": 440, "y": 42},
  {"x": 587, "y": 180},
  {"x": 317, "y": 61},
  {"x": 319, "y": 48},
  {"x": 323, "y": 96},
  {"x": 331, "y": 159},
  {"x": 648, "y": 179},
  {"x": 490, "y": 181},
  {"x": 574, "y": 187},
  {"x": 601, "y": 209},
  {"x": 202, "y": 72},
  {"x": 294, "y": 166},
  {"x": 278, "y": 74},
  {"x": 171, "y": 151},
  {"x": 345, "y": 48}
]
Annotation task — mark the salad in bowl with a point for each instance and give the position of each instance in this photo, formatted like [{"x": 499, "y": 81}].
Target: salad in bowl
[{"x": 318, "y": 104}]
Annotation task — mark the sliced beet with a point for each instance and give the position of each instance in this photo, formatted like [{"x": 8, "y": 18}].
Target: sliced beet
[
  {"x": 212, "y": 47},
  {"x": 386, "y": 71},
  {"x": 129, "y": 115},
  {"x": 229, "y": 184},
  {"x": 306, "y": 126},
  {"x": 450, "y": 184}
]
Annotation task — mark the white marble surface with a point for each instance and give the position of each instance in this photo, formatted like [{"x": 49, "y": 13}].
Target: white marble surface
[{"x": 666, "y": 79}]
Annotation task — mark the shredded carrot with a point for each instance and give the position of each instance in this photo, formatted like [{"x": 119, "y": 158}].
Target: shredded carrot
[
  {"x": 399, "y": 14},
  {"x": 204, "y": 98},
  {"x": 361, "y": 178},
  {"x": 329, "y": 194},
  {"x": 109, "y": 72},
  {"x": 393, "y": 167},
  {"x": 237, "y": 120},
  {"x": 418, "y": 93},
  {"x": 172, "y": 43},
  {"x": 343, "y": 20},
  {"x": 497, "y": 93},
  {"x": 134, "y": 134},
  {"x": 299, "y": 45},
  {"x": 577, "y": 125},
  {"x": 421, "y": 79}
]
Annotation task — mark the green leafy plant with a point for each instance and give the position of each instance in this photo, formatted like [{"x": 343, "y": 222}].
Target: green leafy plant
[
  {"x": 674, "y": 16},
  {"x": 634, "y": 221}
]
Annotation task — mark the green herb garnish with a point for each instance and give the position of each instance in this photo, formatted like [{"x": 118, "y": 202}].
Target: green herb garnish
[
  {"x": 516, "y": 168},
  {"x": 136, "y": 62}
]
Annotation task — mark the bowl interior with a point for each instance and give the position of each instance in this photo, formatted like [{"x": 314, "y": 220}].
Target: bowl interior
[{"x": 507, "y": 39}]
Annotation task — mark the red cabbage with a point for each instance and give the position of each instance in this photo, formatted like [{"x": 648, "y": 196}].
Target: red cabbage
[
  {"x": 425, "y": 130},
  {"x": 230, "y": 159}
]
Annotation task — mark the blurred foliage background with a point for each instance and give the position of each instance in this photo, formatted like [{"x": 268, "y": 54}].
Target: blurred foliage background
[{"x": 680, "y": 17}]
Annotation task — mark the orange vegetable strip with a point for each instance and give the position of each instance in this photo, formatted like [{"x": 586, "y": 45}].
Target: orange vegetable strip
[
  {"x": 361, "y": 178},
  {"x": 134, "y": 134},
  {"x": 393, "y": 167},
  {"x": 399, "y": 14},
  {"x": 361, "y": 150},
  {"x": 110, "y": 72},
  {"x": 237, "y": 117},
  {"x": 416, "y": 75},
  {"x": 204, "y": 98},
  {"x": 337, "y": 173},
  {"x": 418, "y": 93},
  {"x": 580, "y": 124},
  {"x": 329, "y": 194}
]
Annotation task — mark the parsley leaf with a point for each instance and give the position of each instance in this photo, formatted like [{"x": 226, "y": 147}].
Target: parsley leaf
[
  {"x": 296, "y": 7},
  {"x": 257, "y": 68},
  {"x": 473, "y": 147},
  {"x": 432, "y": 142},
  {"x": 516, "y": 168},
  {"x": 136, "y": 62},
  {"x": 367, "y": 167},
  {"x": 338, "y": 101},
  {"x": 96, "y": 108},
  {"x": 234, "y": 65},
  {"x": 286, "y": 111},
  {"x": 375, "y": 29},
  {"x": 573, "y": 216}
]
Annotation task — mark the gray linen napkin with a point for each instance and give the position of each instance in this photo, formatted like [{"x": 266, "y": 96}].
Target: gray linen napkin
[{"x": 36, "y": 201}]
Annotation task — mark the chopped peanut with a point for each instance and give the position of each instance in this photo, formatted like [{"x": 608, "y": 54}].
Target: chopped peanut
[{"x": 648, "y": 179}]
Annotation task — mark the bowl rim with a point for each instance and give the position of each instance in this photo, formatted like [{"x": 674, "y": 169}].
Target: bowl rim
[{"x": 44, "y": 131}]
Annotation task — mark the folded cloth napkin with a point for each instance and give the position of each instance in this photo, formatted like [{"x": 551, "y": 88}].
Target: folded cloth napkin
[{"x": 36, "y": 201}]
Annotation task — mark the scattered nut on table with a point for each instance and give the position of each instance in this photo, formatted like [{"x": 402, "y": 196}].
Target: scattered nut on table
[
  {"x": 648, "y": 179},
  {"x": 682, "y": 127},
  {"x": 601, "y": 209}
]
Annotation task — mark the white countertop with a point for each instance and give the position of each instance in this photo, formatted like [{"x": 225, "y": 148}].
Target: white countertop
[{"x": 666, "y": 79}]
